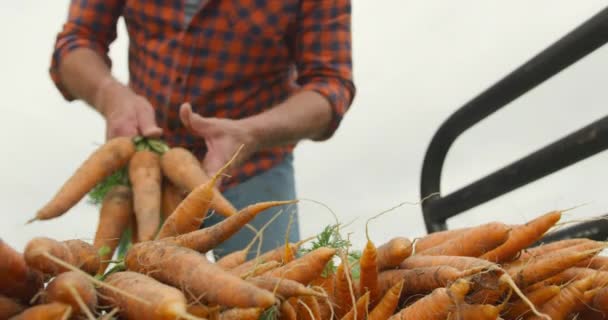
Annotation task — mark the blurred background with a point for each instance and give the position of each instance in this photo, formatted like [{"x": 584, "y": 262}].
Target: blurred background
[{"x": 415, "y": 63}]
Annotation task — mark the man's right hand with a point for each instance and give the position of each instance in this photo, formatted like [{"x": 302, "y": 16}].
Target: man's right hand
[{"x": 126, "y": 113}]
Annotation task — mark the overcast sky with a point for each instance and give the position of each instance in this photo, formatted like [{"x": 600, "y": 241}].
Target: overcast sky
[{"x": 415, "y": 63}]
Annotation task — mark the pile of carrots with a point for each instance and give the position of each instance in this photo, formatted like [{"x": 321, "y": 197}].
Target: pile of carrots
[{"x": 488, "y": 271}]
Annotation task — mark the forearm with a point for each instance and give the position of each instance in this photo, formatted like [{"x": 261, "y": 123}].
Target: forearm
[
  {"x": 84, "y": 74},
  {"x": 305, "y": 115}
]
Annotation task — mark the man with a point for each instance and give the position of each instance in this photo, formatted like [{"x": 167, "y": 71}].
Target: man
[{"x": 260, "y": 73}]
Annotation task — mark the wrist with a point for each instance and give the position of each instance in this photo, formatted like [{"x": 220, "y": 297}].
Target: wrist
[{"x": 107, "y": 88}]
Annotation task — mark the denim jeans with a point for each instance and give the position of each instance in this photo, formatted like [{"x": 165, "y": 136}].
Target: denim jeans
[{"x": 277, "y": 183}]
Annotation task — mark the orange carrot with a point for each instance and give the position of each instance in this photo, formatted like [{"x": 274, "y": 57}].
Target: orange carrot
[
  {"x": 368, "y": 276},
  {"x": 47, "y": 311},
  {"x": 17, "y": 279},
  {"x": 261, "y": 269},
  {"x": 523, "y": 236},
  {"x": 233, "y": 259},
  {"x": 436, "y": 305},
  {"x": 460, "y": 263},
  {"x": 307, "y": 308},
  {"x": 544, "y": 267},
  {"x": 568, "y": 299},
  {"x": 287, "y": 311},
  {"x": 199, "y": 310},
  {"x": 306, "y": 268},
  {"x": 102, "y": 163},
  {"x": 179, "y": 266},
  {"x": 343, "y": 297},
  {"x": 544, "y": 249},
  {"x": 74, "y": 252},
  {"x": 437, "y": 238},
  {"x": 392, "y": 253},
  {"x": 387, "y": 305},
  {"x": 474, "y": 312},
  {"x": 114, "y": 217},
  {"x": 171, "y": 196},
  {"x": 419, "y": 280},
  {"x": 283, "y": 287},
  {"x": 74, "y": 289},
  {"x": 190, "y": 213},
  {"x": 600, "y": 278},
  {"x": 276, "y": 254},
  {"x": 472, "y": 243},
  {"x": 9, "y": 307},
  {"x": 145, "y": 177},
  {"x": 600, "y": 301},
  {"x": 518, "y": 307},
  {"x": 241, "y": 314},
  {"x": 583, "y": 246},
  {"x": 185, "y": 171},
  {"x": 208, "y": 238},
  {"x": 597, "y": 263},
  {"x": 360, "y": 310},
  {"x": 161, "y": 301}
]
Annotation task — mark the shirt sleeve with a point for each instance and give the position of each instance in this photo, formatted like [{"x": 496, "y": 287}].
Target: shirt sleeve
[
  {"x": 90, "y": 24},
  {"x": 323, "y": 54}
]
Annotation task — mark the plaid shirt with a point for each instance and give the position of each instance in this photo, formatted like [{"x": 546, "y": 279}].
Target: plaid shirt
[{"x": 234, "y": 59}]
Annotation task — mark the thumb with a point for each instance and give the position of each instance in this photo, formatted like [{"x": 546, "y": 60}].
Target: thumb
[
  {"x": 192, "y": 121},
  {"x": 146, "y": 121}
]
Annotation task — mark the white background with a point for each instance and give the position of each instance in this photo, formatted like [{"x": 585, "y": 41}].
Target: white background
[{"x": 415, "y": 63}]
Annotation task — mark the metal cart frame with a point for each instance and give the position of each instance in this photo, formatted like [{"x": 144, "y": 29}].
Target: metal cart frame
[{"x": 570, "y": 149}]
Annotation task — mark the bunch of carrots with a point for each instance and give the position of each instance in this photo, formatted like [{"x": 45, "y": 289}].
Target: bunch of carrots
[{"x": 487, "y": 271}]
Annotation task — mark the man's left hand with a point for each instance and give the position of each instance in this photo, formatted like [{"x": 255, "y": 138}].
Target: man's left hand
[{"x": 222, "y": 136}]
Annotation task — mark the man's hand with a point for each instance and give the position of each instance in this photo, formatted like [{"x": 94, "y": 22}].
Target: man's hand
[
  {"x": 126, "y": 113},
  {"x": 222, "y": 137}
]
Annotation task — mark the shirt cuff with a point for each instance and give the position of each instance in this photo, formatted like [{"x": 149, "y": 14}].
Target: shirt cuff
[
  {"x": 338, "y": 92},
  {"x": 65, "y": 45}
]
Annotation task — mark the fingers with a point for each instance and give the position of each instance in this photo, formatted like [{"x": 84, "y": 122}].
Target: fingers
[
  {"x": 146, "y": 120},
  {"x": 124, "y": 126},
  {"x": 185, "y": 111},
  {"x": 193, "y": 122}
]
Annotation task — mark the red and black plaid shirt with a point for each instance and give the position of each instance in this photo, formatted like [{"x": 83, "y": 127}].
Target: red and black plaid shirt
[{"x": 235, "y": 58}]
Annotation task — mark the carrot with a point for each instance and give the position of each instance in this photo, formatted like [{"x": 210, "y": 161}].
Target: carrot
[
  {"x": 343, "y": 297},
  {"x": 359, "y": 311},
  {"x": 574, "y": 273},
  {"x": 538, "y": 297},
  {"x": 460, "y": 263},
  {"x": 545, "y": 267},
  {"x": 307, "y": 308},
  {"x": 179, "y": 266},
  {"x": 474, "y": 312},
  {"x": 185, "y": 171},
  {"x": 550, "y": 247},
  {"x": 436, "y": 305},
  {"x": 600, "y": 301},
  {"x": 306, "y": 268},
  {"x": 74, "y": 252},
  {"x": 17, "y": 279},
  {"x": 47, "y": 311},
  {"x": 392, "y": 253},
  {"x": 568, "y": 299},
  {"x": 74, "y": 289},
  {"x": 523, "y": 236},
  {"x": 387, "y": 305},
  {"x": 274, "y": 255},
  {"x": 145, "y": 177},
  {"x": 241, "y": 314},
  {"x": 597, "y": 263},
  {"x": 233, "y": 259},
  {"x": 474, "y": 242},
  {"x": 283, "y": 287},
  {"x": 437, "y": 238},
  {"x": 9, "y": 307},
  {"x": 261, "y": 269},
  {"x": 199, "y": 310},
  {"x": 584, "y": 246},
  {"x": 104, "y": 161},
  {"x": 208, "y": 238},
  {"x": 368, "y": 276},
  {"x": 419, "y": 280},
  {"x": 287, "y": 311},
  {"x": 171, "y": 196},
  {"x": 114, "y": 218},
  {"x": 158, "y": 301},
  {"x": 190, "y": 213}
]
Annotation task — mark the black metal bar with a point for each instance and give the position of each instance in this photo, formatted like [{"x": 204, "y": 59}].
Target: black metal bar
[
  {"x": 595, "y": 230},
  {"x": 579, "y": 145},
  {"x": 575, "y": 45}
]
